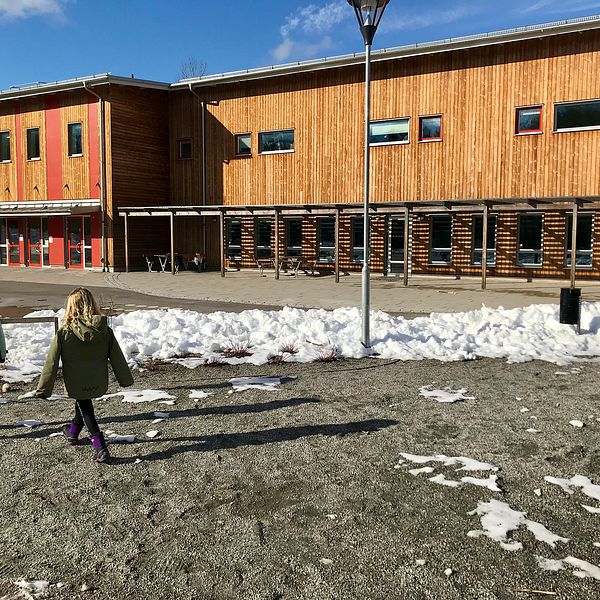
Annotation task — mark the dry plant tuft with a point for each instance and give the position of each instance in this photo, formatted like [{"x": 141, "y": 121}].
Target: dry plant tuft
[
  {"x": 328, "y": 355},
  {"x": 215, "y": 361},
  {"x": 277, "y": 359},
  {"x": 237, "y": 350},
  {"x": 288, "y": 348}
]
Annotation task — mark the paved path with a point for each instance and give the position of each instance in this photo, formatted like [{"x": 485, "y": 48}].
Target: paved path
[{"x": 246, "y": 289}]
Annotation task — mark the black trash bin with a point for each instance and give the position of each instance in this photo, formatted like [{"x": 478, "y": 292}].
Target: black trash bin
[{"x": 570, "y": 306}]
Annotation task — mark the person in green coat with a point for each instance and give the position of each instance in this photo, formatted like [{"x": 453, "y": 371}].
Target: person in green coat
[
  {"x": 2, "y": 346},
  {"x": 85, "y": 344}
]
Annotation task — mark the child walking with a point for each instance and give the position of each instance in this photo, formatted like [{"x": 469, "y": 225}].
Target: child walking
[{"x": 85, "y": 345}]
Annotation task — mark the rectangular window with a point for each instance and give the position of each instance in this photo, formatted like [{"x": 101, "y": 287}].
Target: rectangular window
[
  {"x": 529, "y": 120},
  {"x": 33, "y": 143},
  {"x": 357, "y": 251},
  {"x": 4, "y": 146},
  {"x": 440, "y": 240},
  {"x": 262, "y": 234},
  {"x": 391, "y": 131},
  {"x": 293, "y": 237},
  {"x": 243, "y": 144},
  {"x": 75, "y": 145},
  {"x": 326, "y": 240},
  {"x": 234, "y": 239},
  {"x": 583, "y": 244},
  {"x": 276, "y": 141},
  {"x": 529, "y": 252},
  {"x": 478, "y": 240},
  {"x": 573, "y": 116},
  {"x": 185, "y": 149},
  {"x": 430, "y": 128}
]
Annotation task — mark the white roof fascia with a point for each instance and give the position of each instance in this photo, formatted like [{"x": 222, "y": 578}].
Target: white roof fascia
[{"x": 460, "y": 43}]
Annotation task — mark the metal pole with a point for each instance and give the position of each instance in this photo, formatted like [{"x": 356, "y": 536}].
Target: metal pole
[
  {"x": 276, "y": 244},
  {"x": 222, "y": 241},
  {"x": 337, "y": 245},
  {"x": 484, "y": 248},
  {"x": 407, "y": 217},
  {"x": 126, "y": 246},
  {"x": 366, "y": 300},
  {"x": 172, "y": 245},
  {"x": 574, "y": 244}
]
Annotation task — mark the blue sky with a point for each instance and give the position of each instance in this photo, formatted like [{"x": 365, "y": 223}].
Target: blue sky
[{"x": 49, "y": 40}]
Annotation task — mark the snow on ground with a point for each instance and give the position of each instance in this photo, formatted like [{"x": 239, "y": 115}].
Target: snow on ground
[
  {"x": 137, "y": 396},
  {"x": 577, "y": 481},
  {"x": 517, "y": 335},
  {"x": 446, "y": 395},
  {"x": 581, "y": 568},
  {"x": 269, "y": 384}
]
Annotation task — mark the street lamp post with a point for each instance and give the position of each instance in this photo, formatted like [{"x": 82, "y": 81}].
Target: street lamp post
[{"x": 368, "y": 13}]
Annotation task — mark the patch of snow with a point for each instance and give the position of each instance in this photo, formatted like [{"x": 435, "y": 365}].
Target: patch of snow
[
  {"x": 561, "y": 373},
  {"x": 591, "y": 509},
  {"x": 468, "y": 464},
  {"x": 448, "y": 572},
  {"x": 152, "y": 434},
  {"x": 441, "y": 480},
  {"x": 498, "y": 519},
  {"x": 331, "y": 516},
  {"x": 137, "y": 396},
  {"x": 537, "y": 492},
  {"x": 3, "y": 401},
  {"x": 325, "y": 561},
  {"x": 445, "y": 396},
  {"x": 524, "y": 409},
  {"x": 516, "y": 335},
  {"x": 578, "y": 481},
  {"x": 597, "y": 544},
  {"x": 199, "y": 394},
  {"x": 167, "y": 402},
  {"x": 31, "y": 394},
  {"x": 532, "y": 430},
  {"x": 29, "y": 423},
  {"x": 161, "y": 415},
  {"x": 548, "y": 564},
  {"x": 490, "y": 483},
  {"x": 421, "y": 470},
  {"x": 31, "y": 590},
  {"x": 270, "y": 384},
  {"x": 576, "y": 423},
  {"x": 120, "y": 439},
  {"x": 155, "y": 421},
  {"x": 420, "y": 562},
  {"x": 581, "y": 568}
]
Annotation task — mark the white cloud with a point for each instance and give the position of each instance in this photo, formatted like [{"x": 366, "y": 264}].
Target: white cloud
[
  {"x": 300, "y": 50},
  {"x": 30, "y": 8},
  {"x": 422, "y": 20},
  {"x": 304, "y": 30},
  {"x": 559, "y": 6}
]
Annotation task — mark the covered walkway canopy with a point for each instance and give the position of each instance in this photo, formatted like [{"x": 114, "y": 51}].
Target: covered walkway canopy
[{"x": 376, "y": 208}]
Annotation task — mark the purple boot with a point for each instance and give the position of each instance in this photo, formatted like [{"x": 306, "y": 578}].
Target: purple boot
[
  {"x": 71, "y": 432},
  {"x": 101, "y": 453}
]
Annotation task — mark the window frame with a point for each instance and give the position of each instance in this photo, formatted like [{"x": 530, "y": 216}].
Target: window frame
[
  {"x": 261, "y": 247},
  {"x": 74, "y": 154},
  {"x": 568, "y": 230},
  {"x": 440, "y": 138},
  {"x": 520, "y": 263},
  {"x": 392, "y": 143},
  {"x": 3, "y": 162},
  {"x": 320, "y": 246},
  {"x": 570, "y": 129},
  {"x": 236, "y": 149},
  {"x": 432, "y": 248},
  {"x": 489, "y": 263},
  {"x": 518, "y": 110},
  {"x": 295, "y": 250},
  {"x": 39, "y": 149},
  {"x": 180, "y": 142},
  {"x": 288, "y": 151}
]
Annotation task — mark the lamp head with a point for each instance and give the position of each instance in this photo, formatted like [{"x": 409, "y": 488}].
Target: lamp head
[{"x": 368, "y": 14}]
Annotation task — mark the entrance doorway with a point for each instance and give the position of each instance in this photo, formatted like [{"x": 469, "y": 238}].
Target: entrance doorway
[
  {"x": 395, "y": 246},
  {"x": 14, "y": 243},
  {"x": 79, "y": 243}
]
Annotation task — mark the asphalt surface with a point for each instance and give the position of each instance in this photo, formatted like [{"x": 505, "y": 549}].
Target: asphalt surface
[{"x": 297, "y": 493}]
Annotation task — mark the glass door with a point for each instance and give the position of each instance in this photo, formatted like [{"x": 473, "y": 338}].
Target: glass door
[
  {"x": 14, "y": 247},
  {"x": 34, "y": 242},
  {"x": 395, "y": 245},
  {"x": 75, "y": 243},
  {"x": 87, "y": 242},
  {"x": 3, "y": 243}
]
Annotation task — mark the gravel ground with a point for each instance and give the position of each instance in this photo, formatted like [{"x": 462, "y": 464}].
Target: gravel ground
[{"x": 294, "y": 494}]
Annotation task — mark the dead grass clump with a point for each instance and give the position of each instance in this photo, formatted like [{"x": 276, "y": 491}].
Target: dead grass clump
[
  {"x": 327, "y": 355},
  {"x": 277, "y": 359},
  {"x": 288, "y": 348},
  {"x": 237, "y": 350},
  {"x": 215, "y": 361}
]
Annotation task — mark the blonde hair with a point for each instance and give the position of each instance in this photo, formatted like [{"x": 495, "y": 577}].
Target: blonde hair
[{"x": 80, "y": 304}]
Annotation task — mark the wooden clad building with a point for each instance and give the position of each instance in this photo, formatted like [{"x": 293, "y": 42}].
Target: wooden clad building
[{"x": 510, "y": 120}]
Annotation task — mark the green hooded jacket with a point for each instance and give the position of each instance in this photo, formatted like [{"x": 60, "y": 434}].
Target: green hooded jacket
[
  {"x": 2, "y": 345},
  {"x": 85, "y": 350}
]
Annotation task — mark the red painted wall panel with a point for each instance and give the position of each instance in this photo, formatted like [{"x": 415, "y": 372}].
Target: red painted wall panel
[
  {"x": 57, "y": 246},
  {"x": 53, "y": 149},
  {"x": 94, "y": 149},
  {"x": 18, "y": 152}
]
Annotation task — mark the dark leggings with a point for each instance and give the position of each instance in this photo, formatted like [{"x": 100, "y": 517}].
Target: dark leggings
[{"x": 84, "y": 413}]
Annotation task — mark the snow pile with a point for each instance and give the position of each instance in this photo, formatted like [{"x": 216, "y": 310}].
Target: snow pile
[
  {"x": 498, "y": 519},
  {"x": 582, "y": 568},
  {"x": 446, "y": 395},
  {"x": 517, "y": 335}
]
